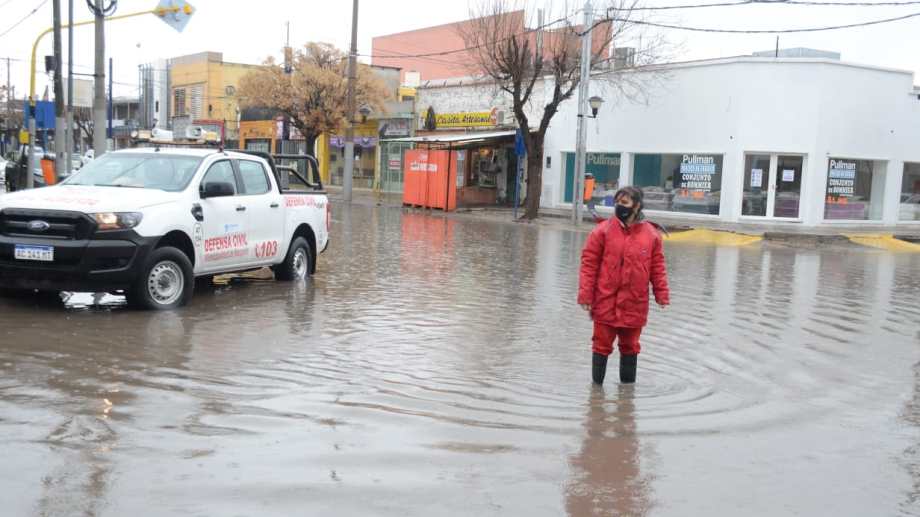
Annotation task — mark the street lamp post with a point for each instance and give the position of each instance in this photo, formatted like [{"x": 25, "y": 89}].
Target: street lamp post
[
  {"x": 595, "y": 103},
  {"x": 581, "y": 137}
]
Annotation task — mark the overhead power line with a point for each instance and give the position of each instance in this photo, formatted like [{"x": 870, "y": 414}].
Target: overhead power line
[
  {"x": 765, "y": 31},
  {"x": 741, "y": 3},
  {"x": 703, "y": 29},
  {"x": 24, "y": 18}
]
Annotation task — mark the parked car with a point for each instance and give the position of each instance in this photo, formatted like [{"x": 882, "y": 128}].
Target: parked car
[
  {"x": 147, "y": 222},
  {"x": 14, "y": 171}
]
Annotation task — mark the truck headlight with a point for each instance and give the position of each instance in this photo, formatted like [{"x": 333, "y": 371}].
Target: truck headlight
[{"x": 117, "y": 220}]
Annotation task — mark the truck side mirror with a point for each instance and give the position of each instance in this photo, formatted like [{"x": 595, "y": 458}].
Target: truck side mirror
[{"x": 217, "y": 189}]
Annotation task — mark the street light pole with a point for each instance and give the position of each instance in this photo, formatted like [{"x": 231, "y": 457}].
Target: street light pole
[
  {"x": 350, "y": 108},
  {"x": 99, "y": 140},
  {"x": 580, "y": 142},
  {"x": 68, "y": 135},
  {"x": 60, "y": 132}
]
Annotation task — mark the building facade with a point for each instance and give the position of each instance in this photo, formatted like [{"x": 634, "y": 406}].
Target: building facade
[
  {"x": 809, "y": 141},
  {"x": 203, "y": 91}
]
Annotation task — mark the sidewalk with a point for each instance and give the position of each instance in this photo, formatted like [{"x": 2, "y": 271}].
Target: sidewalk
[{"x": 781, "y": 231}]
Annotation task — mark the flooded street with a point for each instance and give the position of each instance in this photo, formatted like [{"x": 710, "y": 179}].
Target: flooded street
[{"x": 440, "y": 366}]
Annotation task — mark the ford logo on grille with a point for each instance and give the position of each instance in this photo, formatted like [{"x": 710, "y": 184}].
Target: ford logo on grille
[{"x": 39, "y": 226}]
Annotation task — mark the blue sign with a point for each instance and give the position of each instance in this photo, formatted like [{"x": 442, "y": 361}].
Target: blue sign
[
  {"x": 44, "y": 114},
  {"x": 519, "y": 148}
]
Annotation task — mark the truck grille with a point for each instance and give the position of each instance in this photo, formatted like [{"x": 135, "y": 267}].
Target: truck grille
[{"x": 59, "y": 224}]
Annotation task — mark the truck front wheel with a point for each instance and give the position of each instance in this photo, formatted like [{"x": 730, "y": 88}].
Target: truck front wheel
[
  {"x": 165, "y": 282},
  {"x": 297, "y": 264}
]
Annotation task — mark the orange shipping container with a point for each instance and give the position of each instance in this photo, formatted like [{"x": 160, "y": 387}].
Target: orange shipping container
[{"x": 430, "y": 179}]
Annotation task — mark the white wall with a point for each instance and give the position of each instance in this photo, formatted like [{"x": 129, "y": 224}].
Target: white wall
[{"x": 816, "y": 108}]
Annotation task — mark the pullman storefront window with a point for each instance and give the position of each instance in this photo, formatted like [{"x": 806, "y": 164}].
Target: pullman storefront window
[
  {"x": 680, "y": 182},
  {"x": 850, "y": 192},
  {"x": 910, "y": 193},
  {"x": 605, "y": 167}
]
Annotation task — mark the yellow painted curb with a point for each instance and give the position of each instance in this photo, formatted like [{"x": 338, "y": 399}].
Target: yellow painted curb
[
  {"x": 701, "y": 236},
  {"x": 885, "y": 242}
]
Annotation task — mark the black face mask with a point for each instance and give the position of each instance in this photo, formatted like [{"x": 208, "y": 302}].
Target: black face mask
[{"x": 623, "y": 212}]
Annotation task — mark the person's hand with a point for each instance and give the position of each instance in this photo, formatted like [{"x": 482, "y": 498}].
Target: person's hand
[
  {"x": 663, "y": 305},
  {"x": 586, "y": 306}
]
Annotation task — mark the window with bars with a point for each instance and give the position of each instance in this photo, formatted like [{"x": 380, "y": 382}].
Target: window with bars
[
  {"x": 179, "y": 102},
  {"x": 197, "y": 102}
]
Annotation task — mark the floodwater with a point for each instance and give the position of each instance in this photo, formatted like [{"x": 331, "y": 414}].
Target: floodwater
[{"x": 440, "y": 366}]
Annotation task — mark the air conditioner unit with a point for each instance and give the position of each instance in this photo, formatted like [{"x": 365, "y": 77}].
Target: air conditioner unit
[{"x": 194, "y": 132}]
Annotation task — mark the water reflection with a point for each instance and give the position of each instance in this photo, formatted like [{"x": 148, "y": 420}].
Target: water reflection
[
  {"x": 911, "y": 460},
  {"x": 442, "y": 364},
  {"x": 607, "y": 479}
]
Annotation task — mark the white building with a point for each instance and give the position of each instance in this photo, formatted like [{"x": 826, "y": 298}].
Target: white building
[{"x": 809, "y": 141}]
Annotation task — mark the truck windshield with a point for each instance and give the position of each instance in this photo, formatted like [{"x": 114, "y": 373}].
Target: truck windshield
[{"x": 154, "y": 171}]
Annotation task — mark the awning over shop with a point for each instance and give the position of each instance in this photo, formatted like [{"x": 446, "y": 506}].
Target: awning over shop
[{"x": 458, "y": 139}]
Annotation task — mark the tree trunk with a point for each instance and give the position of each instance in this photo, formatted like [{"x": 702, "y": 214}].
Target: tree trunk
[{"x": 534, "y": 176}]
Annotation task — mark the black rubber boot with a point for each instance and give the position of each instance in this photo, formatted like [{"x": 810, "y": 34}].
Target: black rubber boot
[
  {"x": 598, "y": 367},
  {"x": 628, "y": 368}
]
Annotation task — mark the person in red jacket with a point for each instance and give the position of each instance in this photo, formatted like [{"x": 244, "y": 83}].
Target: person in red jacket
[{"x": 622, "y": 256}]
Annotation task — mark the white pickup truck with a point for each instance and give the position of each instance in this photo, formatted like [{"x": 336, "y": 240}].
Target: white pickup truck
[{"x": 148, "y": 222}]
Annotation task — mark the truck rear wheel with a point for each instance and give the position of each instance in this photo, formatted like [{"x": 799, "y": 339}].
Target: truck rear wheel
[
  {"x": 298, "y": 263},
  {"x": 165, "y": 282}
]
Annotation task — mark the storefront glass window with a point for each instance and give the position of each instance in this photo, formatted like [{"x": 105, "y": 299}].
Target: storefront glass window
[
  {"x": 680, "y": 182},
  {"x": 365, "y": 156},
  {"x": 392, "y": 155},
  {"x": 850, "y": 192},
  {"x": 604, "y": 167},
  {"x": 910, "y": 193},
  {"x": 262, "y": 144}
]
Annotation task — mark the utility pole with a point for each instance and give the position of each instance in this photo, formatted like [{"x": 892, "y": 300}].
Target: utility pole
[
  {"x": 60, "y": 132},
  {"x": 350, "y": 108},
  {"x": 68, "y": 133},
  {"x": 111, "y": 108},
  {"x": 580, "y": 142},
  {"x": 288, "y": 69},
  {"x": 9, "y": 96},
  {"x": 99, "y": 141}
]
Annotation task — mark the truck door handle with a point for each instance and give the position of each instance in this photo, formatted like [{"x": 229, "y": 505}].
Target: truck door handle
[
  {"x": 241, "y": 208},
  {"x": 274, "y": 205}
]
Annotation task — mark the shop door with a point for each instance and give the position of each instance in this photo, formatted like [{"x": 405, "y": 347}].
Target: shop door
[{"x": 772, "y": 186}]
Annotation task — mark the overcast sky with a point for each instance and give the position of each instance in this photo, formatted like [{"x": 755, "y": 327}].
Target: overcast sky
[{"x": 249, "y": 31}]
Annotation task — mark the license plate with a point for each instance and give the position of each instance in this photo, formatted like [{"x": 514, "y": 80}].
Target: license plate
[{"x": 39, "y": 253}]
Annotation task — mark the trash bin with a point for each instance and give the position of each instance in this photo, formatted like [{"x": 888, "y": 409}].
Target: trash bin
[{"x": 48, "y": 171}]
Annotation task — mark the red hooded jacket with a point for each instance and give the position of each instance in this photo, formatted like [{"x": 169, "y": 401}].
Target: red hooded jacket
[{"x": 617, "y": 266}]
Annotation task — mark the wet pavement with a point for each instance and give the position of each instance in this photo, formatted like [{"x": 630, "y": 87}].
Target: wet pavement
[{"x": 440, "y": 366}]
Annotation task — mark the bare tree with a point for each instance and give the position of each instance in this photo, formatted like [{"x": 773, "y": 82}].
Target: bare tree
[
  {"x": 10, "y": 120},
  {"x": 508, "y": 49},
  {"x": 83, "y": 119}
]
